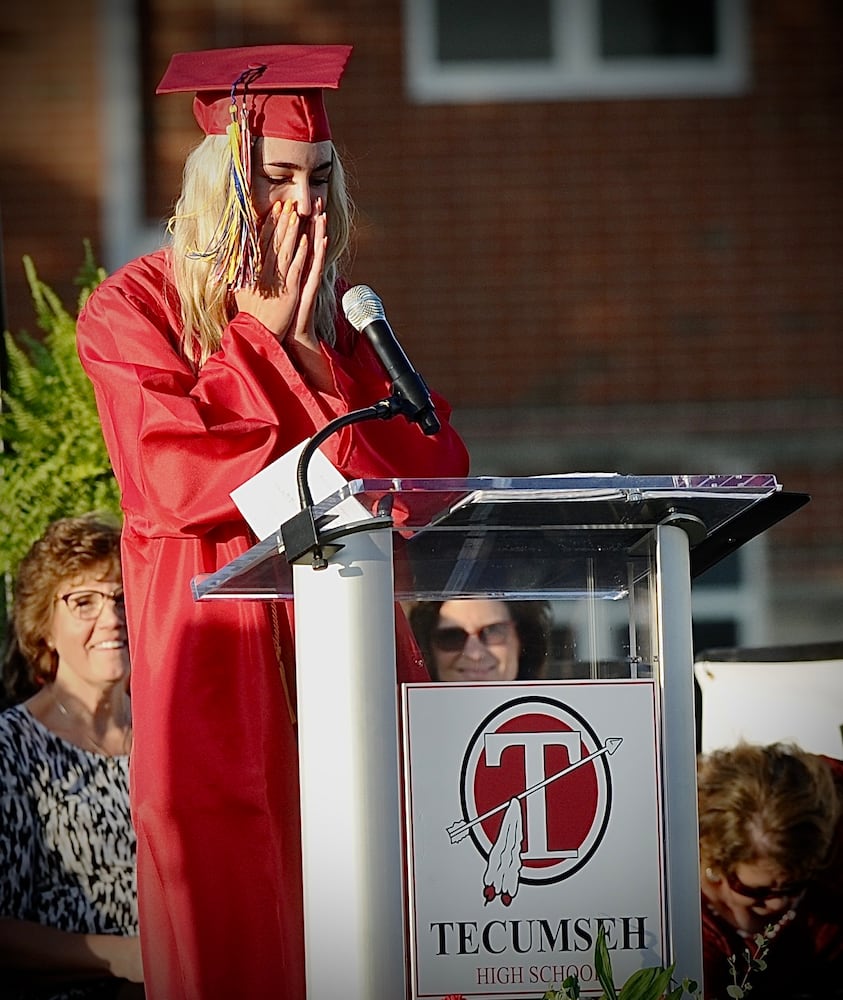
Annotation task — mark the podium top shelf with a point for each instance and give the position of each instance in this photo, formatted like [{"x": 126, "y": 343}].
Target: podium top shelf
[
  {"x": 558, "y": 500},
  {"x": 524, "y": 529}
]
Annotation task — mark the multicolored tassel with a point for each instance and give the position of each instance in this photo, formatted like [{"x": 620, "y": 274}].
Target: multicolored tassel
[{"x": 235, "y": 247}]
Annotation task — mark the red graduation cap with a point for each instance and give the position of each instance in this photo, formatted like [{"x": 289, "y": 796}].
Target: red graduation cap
[{"x": 278, "y": 87}]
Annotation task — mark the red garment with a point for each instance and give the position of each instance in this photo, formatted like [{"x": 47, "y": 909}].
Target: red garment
[
  {"x": 805, "y": 958},
  {"x": 214, "y": 768}
]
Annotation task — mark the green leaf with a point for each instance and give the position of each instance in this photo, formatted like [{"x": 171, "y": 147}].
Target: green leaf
[
  {"x": 571, "y": 986},
  {"x": 688, "y": 986},
  {"x": 603, "y": 966},
  {"x": 646, "y": 984},
  {"x": 734, "y": 991}
]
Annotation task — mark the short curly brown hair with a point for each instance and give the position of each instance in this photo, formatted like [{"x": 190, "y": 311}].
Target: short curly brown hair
[
  {"x": 773, "y": 802},
  {"x": 70, "y": 547}
]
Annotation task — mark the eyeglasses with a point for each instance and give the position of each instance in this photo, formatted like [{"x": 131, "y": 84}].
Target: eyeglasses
[
  {"x": 761, "y": 893},
  {"x": 88, "y": 604},
  {"x": 453, "y": 639}
]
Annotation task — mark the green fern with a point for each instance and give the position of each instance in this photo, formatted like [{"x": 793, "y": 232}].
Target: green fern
[{"x": 53, "y": 463}]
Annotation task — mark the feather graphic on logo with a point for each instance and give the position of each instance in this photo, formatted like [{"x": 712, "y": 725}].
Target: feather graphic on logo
[{"x": 503, "y": 869}]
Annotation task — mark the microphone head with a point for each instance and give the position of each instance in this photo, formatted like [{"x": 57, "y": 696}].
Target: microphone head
[{"x": 361, "y": 306}]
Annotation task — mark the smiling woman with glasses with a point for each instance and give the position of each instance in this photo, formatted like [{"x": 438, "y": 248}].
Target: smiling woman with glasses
[
  {"x": 473, "y": 639},
  {"x": 68, "y": 900},
  {"x": 771, "y": 864}
]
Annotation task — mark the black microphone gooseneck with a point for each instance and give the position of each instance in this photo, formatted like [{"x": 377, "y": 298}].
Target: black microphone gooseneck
[{"x": 300, "y": 534}]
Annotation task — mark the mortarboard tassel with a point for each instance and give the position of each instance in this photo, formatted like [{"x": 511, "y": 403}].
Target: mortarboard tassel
[{"x": 234, "y": 245}]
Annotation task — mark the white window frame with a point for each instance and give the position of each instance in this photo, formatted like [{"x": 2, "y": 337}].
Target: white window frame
[{"x": 577, "y": 72}]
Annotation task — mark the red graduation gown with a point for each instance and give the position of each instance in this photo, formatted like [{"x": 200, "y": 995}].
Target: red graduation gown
[{"x": 214, "y": 776}]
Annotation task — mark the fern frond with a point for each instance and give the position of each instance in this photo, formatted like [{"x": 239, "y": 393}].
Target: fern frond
[{"x": 53, "y": 462}]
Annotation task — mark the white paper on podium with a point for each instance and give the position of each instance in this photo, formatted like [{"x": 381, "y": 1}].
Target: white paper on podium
[{"x": 271, "y": 497}]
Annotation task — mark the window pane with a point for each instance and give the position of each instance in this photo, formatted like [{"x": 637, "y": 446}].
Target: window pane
[
  {"x": 658, "y": 28},
  {"x": 721, "y": 634},
  {"x": 493, "y": 30},
  {"x": 726, "y": 573}
]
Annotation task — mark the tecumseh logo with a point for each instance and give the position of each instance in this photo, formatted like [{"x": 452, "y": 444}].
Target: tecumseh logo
[{"x": 535, "y": 792}]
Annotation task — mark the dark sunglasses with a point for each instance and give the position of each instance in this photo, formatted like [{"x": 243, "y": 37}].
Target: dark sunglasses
[
  {"x": 453, "y": 639},
  {"x": 760, "y": 893}
]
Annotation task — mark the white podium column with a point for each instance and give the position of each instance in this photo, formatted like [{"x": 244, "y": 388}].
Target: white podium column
[
  {"x": 348, "y": 768},
  {"x": 676, "y": 672}
]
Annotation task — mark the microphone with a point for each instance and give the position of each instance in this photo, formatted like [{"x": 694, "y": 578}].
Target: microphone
[{"x": 364, "y": 310}]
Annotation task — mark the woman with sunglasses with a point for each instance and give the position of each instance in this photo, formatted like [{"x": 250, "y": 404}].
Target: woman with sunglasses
[
  {"x": 68, "y": 904},
  {"x": 476, "y": 639},
  {"x": 771, "y": 860}
]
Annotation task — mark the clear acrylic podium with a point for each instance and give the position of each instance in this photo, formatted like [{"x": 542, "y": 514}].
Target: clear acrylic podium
[{"x": 614, "y": 555}]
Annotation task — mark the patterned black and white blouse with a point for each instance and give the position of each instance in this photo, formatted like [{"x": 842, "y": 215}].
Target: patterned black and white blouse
[{"x": 67, "y": 845}]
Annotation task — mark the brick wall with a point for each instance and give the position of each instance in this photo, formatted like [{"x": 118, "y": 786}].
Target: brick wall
[
  {"x": 643, "y": 285},
  {"x": 49, "y": 164}
]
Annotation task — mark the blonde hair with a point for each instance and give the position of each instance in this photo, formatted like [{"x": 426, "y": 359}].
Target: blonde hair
[
  {"x": 205, "y": 303},
  {"x": 772, "y": 802}
]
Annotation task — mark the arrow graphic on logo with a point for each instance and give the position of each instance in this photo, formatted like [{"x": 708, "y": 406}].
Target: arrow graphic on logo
[{"x": 458, "y": 830}]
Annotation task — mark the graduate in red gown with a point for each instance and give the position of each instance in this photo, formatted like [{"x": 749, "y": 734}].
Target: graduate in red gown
[{"x": 210, "y": 358}]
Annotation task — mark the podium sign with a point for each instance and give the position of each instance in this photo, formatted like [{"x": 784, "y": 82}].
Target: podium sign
[
  {"x": 534, "y": 817},
  {"x": 612, "y": 842}
]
